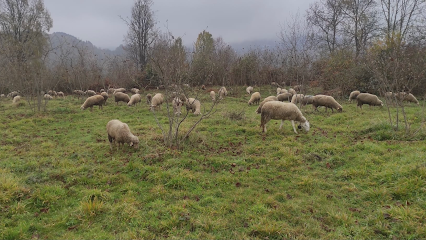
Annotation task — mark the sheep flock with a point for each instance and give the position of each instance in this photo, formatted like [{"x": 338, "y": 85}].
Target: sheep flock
[{"x": 278, "y": 104}]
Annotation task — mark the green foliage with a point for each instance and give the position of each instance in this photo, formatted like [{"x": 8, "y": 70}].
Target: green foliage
[{"x": 351, "y": 176}]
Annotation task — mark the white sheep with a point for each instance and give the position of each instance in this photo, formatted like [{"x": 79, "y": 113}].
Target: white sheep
[
  {"x": 254, "y": 99},
  {"x": 194, "y": 105},
  {"x": 105, "y": 95},
  {"x": 148, "y": 98},
  {"x": 13, "y": 94},
  {"x": 281, "y": 90},
  {"x": 134, "y": 90},
  {"x": 90, "y": 93},
  {"x": 282, "y": 111},
  {"x": 367, "y": 98},
  {"x": 222, "y": 92},
  {"x": 120, "y": 133},
  {"x": 285, "y": 96},
  {"x": 213, "y": 95},
  {"x": 249, "y": 89},
  {"x": 47, "y": 97},
  {"x": 268, "y": 99},
  {"x": 297, "y": 98},
  {"x": 136, "y": 98},
  {"x": 61, "y": 94},
  {"x": 327, "y": 102},
  {"x": 292, "y": 91},
  {"x": 411, "y": 98},
  {"x": 79, "y": 93},
  {"x": 156, "y": 101},
  {"x": 16, "y": 99},
  {"x": 121, "y": 97},
  {"x": 122, "y": 90},
  {"x": 177, "y": 105},
  {"x": 353, "y": 95},
  {"x": 2, "y": 95},
  {"x": 111, "y": 90},
  {"x": 92, "y": 101}
]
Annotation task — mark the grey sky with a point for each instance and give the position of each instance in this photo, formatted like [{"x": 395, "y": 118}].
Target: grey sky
[{"x": 98, "y": 21}]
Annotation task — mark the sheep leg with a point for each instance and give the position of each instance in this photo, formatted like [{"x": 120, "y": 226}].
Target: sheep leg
[
  {"x": 282, "y": 122},
  {"x": 292, "y": 123},
  {"x": 110, "y": 139}
]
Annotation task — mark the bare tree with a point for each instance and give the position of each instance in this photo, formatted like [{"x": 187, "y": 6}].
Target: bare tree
[
  {"x": 24, "y": 45},
  {"x": 141, "y": 33},
  {"x": 326, "y": 16}
]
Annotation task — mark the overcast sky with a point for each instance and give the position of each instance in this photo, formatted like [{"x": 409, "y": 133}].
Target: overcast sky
[{"x": 98, "y": 21}]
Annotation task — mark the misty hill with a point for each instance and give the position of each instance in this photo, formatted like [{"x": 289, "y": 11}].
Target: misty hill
[{"x": 66, "y": 45}]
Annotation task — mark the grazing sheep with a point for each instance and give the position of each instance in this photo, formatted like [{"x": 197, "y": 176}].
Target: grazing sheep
[
  {"x": 102, "y": 90},
  {"x": 194, "y": 105},
  {"x": 254, "y": 99},
  {"x": 121, "y": 97},
  {"x": 411, "y": 98},
  {"x": 79, "y": 93},
  {"x": 297, "y": 98},
  {"x": 61, "y": 94},
  {"x": 134, "y": 90},
  {"x": 122, "y": 90},
  {"x": 203, "y": 87},
  {"x": 105, "y": 95},
  {"x": 13, "y": 94},
  {"x": 222, "y": 93},
  {"x": 298, "y": 88},
  {"x": 136, "y": 98},
  {"x": 282, "y": 111},
  {"x": 308, "y": 99},
  {"x": 47, "y": 97},
  {"x": 213, "y": 95},
  {"x": 2, "y": 95},
  {"x": 367, "y": 98},
  {"x": 292, "y": 91},
  {"x": 177, "y": 105},
  {"x": 278, "y": 91},
  {"x": 148, "y": 98},
  {"x": 111, "y": 90},
  {"x": 120, "y": 133},
  {"x": 90, "y": 93},
  {"x": 327, "y": 102},
  {"x": 249, "y": 89},
  {"x": 92, "y": 101},
  {"x": 16, "y": 99},
  {"x": 156, "y": 101},
  {"x": 285, "y": 97},
  {"x": 353, "y": 95},
  {"x": 268, "y": 99}
]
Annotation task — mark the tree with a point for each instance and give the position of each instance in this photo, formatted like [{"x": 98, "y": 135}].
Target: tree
[
  {"x": 202, "y": 60},
  {"x": 24, "y": 46},
  {"x": 326, "y": 16},
  {"x": 141, "y": 33}
]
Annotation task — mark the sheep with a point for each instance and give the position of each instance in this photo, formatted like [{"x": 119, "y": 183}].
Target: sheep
[
  {"x": 278, "y": 91},
  {"x": 327, "y": 102},
  {"x": 156, "y": 101},
  {"x": 411, "y": 98},
  {"x": 367, "y": 98},
  {"x": 268, "y": 99},
  {"x": 105, "y": 95},
  {"x": 93, "y": 100},
  {"x": 177, "y": 105},
  {"x": 308, "y": 99},
  {"x": 90, "y": 93},
  {"x": 297, "y": 98},
  {"x": 16, "y": 99},
  {"x": 298, "y": 88},
  {"x": 353, "y": 95},
  {"x": 194, "y": 105},
  {"x": 389, "y": 95},
  {"x": 120, "y": 133},
  {"x": 203, "y": 87},
  {"x": 254, "y": 99},
  {"x": 121, "y": 97},
  {"x": 285, "y": 97},
  {"x": 61, "y": 94},
  {"x": 292, "y": 91},
  {"x": 222, "y": 93},
  {"x": 282, "y": 111},
  {"x": 79, "y": 93},
  {"x": 102, "y": 90},
  {"x": 13, "y": 94},
  {"x": 122, "y": 90},
  {"x": 249, "y": 89},
  {"x": 148, "y": 98},
  {"x": 134, "y": 90},
  {"x": 136, "y": 98},
  {"x": 2, "y": 95},
  {"x": 111, "y": 90},
  {"x": 213, "y": 95},
  {"x": 47, "y": 97}
]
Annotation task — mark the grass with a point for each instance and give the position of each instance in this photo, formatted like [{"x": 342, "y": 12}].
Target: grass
[{"x": 350, "y": 176}]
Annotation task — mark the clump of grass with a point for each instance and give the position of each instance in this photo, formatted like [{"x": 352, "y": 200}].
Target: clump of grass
[
  {"x": 235, "y": 115},
  {"x": 92, "y": 206}
]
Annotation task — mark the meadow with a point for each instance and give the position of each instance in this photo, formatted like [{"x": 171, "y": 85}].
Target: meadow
[{"x": 350, "y": 176}]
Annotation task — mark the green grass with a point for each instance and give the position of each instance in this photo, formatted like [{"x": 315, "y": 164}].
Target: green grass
[{"x": 350, "y": 176}]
